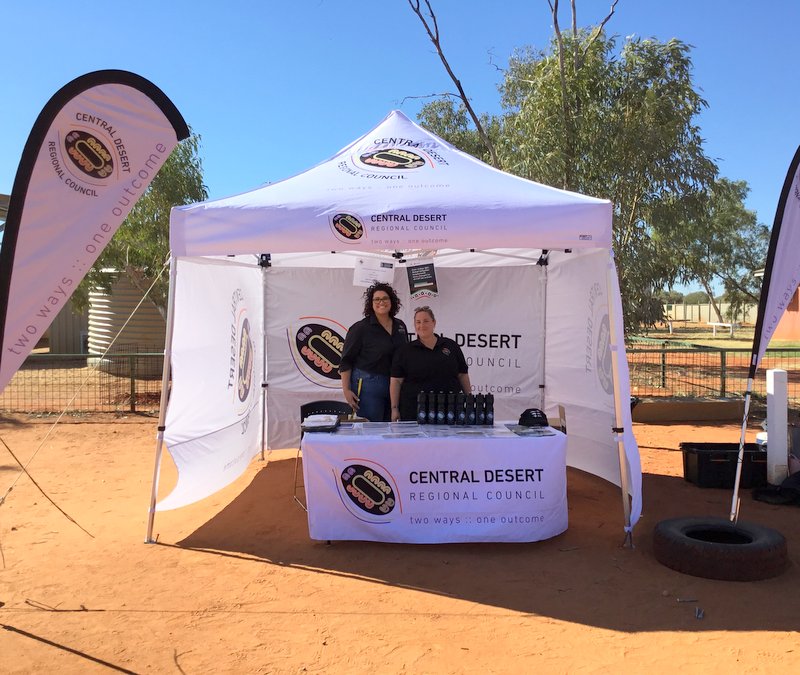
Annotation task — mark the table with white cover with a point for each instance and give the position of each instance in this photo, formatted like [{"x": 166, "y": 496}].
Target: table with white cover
[{"x": 435, "y": 484}]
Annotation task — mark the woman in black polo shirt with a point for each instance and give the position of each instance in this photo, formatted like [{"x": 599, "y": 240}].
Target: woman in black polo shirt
[
  {"x": 367, "y": 354},
  {"x": 429, "y": 363}
]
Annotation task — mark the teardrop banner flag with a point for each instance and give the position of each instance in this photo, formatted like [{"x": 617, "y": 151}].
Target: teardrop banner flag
[
  {"x": 90, "y": 156},
  {"x": 782, "y": 269}
]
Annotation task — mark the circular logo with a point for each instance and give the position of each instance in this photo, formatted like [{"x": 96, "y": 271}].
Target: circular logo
[
  {"x": 347, "y": 226},
  {"x": 320, "y": 348},
  {"x": 89, "y": 154},
  {"x": 392, "y": 158},
  {"x": 603, "y": 355},
  {"x": 246, "y": 354},
  {"x": 368, "y": 490}
]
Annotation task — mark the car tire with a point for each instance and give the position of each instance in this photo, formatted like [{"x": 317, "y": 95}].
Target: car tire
[{"x": 715, "y": 548}]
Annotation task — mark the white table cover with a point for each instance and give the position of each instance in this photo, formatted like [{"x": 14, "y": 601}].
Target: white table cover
[{"x": 461, "y": 485}]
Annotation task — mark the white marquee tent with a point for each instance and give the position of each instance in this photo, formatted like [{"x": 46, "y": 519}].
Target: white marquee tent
[{"x": 262, "y": 294}]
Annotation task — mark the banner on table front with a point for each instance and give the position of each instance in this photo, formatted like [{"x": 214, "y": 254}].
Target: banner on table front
[
  {"x": 90, "y": 156},
  {"x": 214, "y": 417},
  {"x": 309, "y": 311},
  {"x": 434, "y": 490}
]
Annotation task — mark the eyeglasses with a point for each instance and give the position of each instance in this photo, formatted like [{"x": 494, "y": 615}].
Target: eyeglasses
[
  {"x": 424, "y": 308},
  {"x": 382, "y": 300}
]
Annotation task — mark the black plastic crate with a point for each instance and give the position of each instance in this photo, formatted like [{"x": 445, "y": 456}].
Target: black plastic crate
[{"x": 713, "y": 465}]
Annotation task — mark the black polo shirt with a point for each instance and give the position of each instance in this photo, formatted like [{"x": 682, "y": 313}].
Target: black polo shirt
[
  {"x": 369, "y": 346},
  {"x": 424, "y": 369}
]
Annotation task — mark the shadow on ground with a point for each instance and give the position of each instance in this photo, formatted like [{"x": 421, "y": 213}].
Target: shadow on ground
[{"x": 583, "y": 575}]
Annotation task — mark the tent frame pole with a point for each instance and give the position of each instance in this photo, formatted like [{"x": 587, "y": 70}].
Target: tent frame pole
[
  {"x": 543, "y": 363},
  {"x": 162, "y": 410},
  {"x": 265, "y": 261},
  {"x": 619, "y": 428}
]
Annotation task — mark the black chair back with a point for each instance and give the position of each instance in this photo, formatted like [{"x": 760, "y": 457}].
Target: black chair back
[
  {"x": 324, "y": 408},
  {"x": 327, "y": 407}
]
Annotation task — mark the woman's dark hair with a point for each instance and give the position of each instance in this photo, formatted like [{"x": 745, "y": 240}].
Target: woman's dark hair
[{"x": 369, "y": 310}]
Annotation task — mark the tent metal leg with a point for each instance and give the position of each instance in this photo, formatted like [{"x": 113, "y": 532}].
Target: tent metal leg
[
  {"x": 151, "y": 514},
  {"x": 619, "y": 429},
  {"x": 162, "y": 413}
]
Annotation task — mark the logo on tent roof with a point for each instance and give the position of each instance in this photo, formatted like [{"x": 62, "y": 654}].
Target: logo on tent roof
[
  {"x": 347, "y": 227},
  {"x": 392, "y": 158}
]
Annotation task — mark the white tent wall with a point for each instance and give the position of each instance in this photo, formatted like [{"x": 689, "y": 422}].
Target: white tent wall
[
  {"x": 495, "y": 314},
  {"x": 214, "y": 417},
  {"x": 318, "y": 305},
  {"x": 581, "y": 349},
  {"x": 578, "y": 374}
]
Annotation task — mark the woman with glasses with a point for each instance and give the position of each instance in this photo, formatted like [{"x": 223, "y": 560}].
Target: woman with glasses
[
  {"x": 367, "y": 355},
  {"x": 429, "y": 363}
]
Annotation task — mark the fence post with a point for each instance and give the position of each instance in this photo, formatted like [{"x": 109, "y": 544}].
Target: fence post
[
  {"x": 663, "y": 365},
  {"x": 132, "y": 370},
  {"x": 723, "y": 372}
]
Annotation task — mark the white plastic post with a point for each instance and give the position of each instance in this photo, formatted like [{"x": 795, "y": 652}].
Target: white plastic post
[{"x": 777, "y": 427}]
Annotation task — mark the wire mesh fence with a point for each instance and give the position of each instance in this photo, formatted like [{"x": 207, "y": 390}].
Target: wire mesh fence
[
  {"x": 119, "y": 381},
  {"x": 129, "y": 379},
  {"x": 670, "y": 371}
]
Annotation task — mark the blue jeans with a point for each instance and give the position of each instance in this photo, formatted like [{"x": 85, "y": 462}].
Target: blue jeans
[{"x": 374, "y": 402}]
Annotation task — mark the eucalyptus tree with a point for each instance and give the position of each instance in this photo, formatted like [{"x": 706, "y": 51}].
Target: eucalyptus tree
[
  {"x": 629, "y": 134},
  {"x": 619, "y": 123},
  {"x": 724, "y": 246}
]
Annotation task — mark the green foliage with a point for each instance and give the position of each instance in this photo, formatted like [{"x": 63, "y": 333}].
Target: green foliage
[
  {"x": 696, "y": 298},
  {"x": 670, "y": 297},
  {"x": 620, "y": 124},
  {"x": 622, "y": 127},
  {"x": 452, "y": 124},
  {"x": 140, "y": 247},
  {"x": 723, "y": 244}
]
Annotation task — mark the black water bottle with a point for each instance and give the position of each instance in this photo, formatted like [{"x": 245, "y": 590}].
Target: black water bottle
[
  {"x": 480, "y": 412},
  {"x": 431, "y": 407},
  {"x": 422, "y": 408},
  {"x": 489, "y": 405},
  {"x": 441, "y": 408},
  {"x": 450, "y": 417},
  {"x": 470, "y": 409},
  {"x": 461, "y": 413}
]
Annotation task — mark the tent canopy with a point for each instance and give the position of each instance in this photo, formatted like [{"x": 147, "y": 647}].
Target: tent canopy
[{"x": 396, "y": 187}]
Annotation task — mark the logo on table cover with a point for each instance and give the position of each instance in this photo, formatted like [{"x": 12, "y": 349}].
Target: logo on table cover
[
  {"x": 89, "y": 154},
  {"x": 367, "y": 493},
  {"x": 316, "y": 345},
  {"x": 347, "y": 227}
]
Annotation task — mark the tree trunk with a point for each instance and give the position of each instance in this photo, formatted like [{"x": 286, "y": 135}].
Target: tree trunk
[{"x": 707, "y": 289}]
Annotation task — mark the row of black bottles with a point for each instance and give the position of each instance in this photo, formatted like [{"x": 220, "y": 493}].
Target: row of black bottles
[{"x": 452, "y": 408}]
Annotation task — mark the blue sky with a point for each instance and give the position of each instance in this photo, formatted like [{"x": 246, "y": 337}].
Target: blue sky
[{"x": 274, "y": 87}]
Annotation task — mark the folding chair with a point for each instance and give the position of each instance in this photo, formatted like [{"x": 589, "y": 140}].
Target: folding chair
[{"x": 326, "y": 407}]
